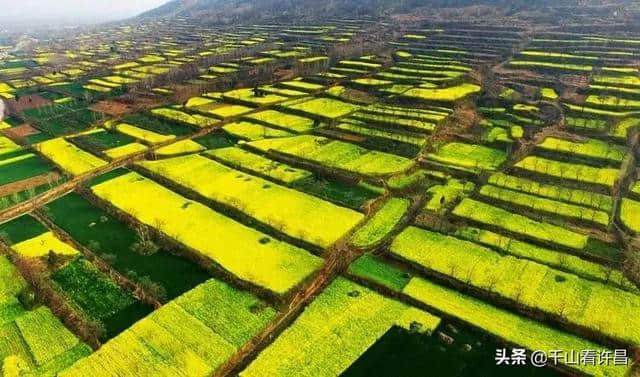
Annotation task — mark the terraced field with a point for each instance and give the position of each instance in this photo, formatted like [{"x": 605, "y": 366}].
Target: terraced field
[
  {"x": 359, "y": 316},
  {"x": 218, "y": 238},
  {"x": 346, "y": 196},
  {"x": 286, "y": 210}
]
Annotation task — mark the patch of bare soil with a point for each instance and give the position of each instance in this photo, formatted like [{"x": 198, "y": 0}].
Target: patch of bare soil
[
  {"x": 113, "y": 108},
  {"x": 360, "y": 96},
  {"x": 353, "y": 138},
  {"x": 573, "y": 96},
  {"x": 579, "y": 81},
  {"x": 22, "y": 103},
  {"x": 465, "y": 118},
  {"x": 146, "y": 103},
  {"x": 284, "y": 74},
  {"x": 28, "y": 183},
  {"x": 20, "y": 132},
  {"x": 516, "y": 73}
]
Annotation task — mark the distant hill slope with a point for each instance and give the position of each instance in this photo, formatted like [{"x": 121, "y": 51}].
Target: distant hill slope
[
  {"x": 167, "y": 9},
  {"x": 299, "y": 10},
  {"x": 231, "y": 9}
]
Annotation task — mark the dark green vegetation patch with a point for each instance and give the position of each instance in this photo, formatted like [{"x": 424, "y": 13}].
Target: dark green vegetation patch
[
  {"x": 99, "y": 297},
  {"x": 164, "y": 273}
]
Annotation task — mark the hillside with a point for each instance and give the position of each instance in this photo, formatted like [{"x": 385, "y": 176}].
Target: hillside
[
  {"x": 227, "y": 11},
  {"x": 353, "y": 188},
  {"x": 234, "y": 9}
]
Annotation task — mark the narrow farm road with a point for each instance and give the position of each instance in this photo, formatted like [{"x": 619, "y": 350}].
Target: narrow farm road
[{"x": 337, "y": 259}]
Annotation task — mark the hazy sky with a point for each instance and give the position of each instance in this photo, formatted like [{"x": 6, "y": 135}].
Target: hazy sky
[{"x": 72, "y": 11}]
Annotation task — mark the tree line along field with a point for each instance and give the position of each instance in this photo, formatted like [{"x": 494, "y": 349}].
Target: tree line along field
[{"x": 308, "y": 200}]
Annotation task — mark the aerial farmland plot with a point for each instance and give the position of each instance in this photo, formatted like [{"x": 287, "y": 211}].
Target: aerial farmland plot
[{"x": 269, "y": 188}]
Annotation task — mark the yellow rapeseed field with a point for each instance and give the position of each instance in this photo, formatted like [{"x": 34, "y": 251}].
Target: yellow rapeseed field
[
  {"x": 69, "y": 157},
  {"x": 142, "y": 134},
  {"x": 294, "y": 213},
  {"x": 125, "y": 150},
  {"x": 180, "y": 147},
  {"x": 42, "y": 244},
  {"x": 190, "y": 336},
  {"x": 245, "y": 252},
  {"x": 333, "y": 331},
  {"x": 7, "y": 145}
]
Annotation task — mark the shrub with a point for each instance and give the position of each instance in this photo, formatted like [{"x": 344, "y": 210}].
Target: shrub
[
  {"x": 145, "y": 247},
  {"x": 154, "y": 288},
  {"x": 94, "y": 246},
  {"x": 27, "y": 298}
]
